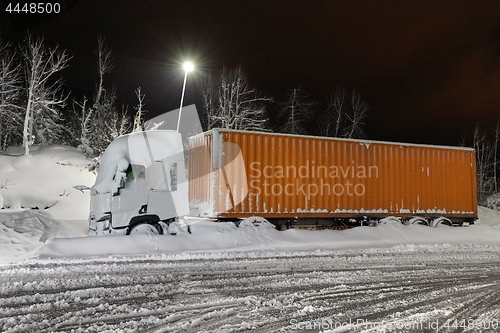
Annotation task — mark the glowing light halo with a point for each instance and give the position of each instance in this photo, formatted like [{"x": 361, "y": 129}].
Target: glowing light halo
[{"x": 188, "y": 66}]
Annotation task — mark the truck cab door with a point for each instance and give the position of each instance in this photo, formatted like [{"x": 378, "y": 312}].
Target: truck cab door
[
  {"x": 128, "y": 201},
  {"x": 162, "y": 181}
]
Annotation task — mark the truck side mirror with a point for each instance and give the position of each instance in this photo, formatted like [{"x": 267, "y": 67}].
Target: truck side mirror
[
  {"x": 119, "y": 183},
  {"x": 81, "y": 188}
]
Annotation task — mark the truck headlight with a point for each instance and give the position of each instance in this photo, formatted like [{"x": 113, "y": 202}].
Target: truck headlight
[{"x": 106, "y": 220}]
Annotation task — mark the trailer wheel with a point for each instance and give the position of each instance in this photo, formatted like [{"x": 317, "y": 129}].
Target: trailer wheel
[
  {"x": 146, "y": 228},
  {"x": 390, "y": 220},
  {"x": 442, "y": 221},
  {"x": 418, "y": 221}
]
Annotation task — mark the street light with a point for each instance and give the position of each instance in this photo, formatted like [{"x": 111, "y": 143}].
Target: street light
[{"x": 188, "y": 67}]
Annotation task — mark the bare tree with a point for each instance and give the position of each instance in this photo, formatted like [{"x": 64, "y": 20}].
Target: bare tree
[
  {"x": 45, "y": 97},
  {"x": 331, "y": 121},
  {"x": 495, "y": 157},
  {"x": 85, "y": 118},
  {"x": 139, "y": 112},
  {"x": 484, "y": 169},
  {"x": 356, "y": 115},
  {"x": 100, "y": 121},
  {"x": 209, "y": 91},
  {"x": 229, "y": 102},
  {"x": 105, "y": 113},
  {"x": 298, "y": 110},
  {"x": 11, "y": 89},
  {"x": 118, "y": 124},
  {"x": 104, "y": 66},
  {"x": 343, "y": 116},
  {"x": 104, "y": 100},
  {"x": 108, "y": 122}
]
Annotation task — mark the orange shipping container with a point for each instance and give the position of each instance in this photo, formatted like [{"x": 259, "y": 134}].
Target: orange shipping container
[{"x": 236, "y": 174}]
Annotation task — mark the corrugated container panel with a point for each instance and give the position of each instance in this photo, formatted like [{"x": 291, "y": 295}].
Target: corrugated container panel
[{"x": 238, "y": 174}]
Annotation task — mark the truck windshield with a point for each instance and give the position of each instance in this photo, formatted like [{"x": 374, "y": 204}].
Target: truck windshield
[{"x": 135, "y": 171}]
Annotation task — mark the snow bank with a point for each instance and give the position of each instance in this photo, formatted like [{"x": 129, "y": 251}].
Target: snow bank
[
  {"x": 488, "y": 217},
  {"x": 208, "y": 236},
  {"x": 23, "y": 232},
  {"x": 250, "y": 235},
  {"x": 45, "y": 180},
  {"x": 38, "y": 200}
]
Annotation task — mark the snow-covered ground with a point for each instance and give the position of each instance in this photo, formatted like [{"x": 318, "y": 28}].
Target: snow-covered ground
[
  {"x": 425, "y": 288},
  {"x": 38, "y": 198},
  {"x": 225, "y": 278}
]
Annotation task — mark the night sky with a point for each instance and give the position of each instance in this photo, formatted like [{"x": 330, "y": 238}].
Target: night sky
[{"x": 430, "y": 70}]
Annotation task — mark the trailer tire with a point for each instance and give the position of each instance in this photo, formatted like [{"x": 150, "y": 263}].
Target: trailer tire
[
  {"x": 442, "y": 221},
  {"x": 390, "y": 220},
  {"x": 418, "y": 221}
]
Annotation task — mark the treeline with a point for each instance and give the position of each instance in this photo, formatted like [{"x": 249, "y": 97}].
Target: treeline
[
  {"x": 228, "y": 101},
  {"x": 35, "y": 108},
  {"x": 486, "y": 146}
]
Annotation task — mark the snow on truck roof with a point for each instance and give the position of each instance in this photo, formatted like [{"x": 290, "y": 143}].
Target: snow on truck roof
[
  {"x": 361, "y": 141},
  {"x": 139, "y": 148}
]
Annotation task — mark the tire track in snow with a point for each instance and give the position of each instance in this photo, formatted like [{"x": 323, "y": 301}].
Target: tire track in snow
[{"x": 258, "y": 292}]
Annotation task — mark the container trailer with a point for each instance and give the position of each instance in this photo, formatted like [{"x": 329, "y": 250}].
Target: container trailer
[
  {"x": 290, "y": 180},
  {"x": 329, "y": 181}
]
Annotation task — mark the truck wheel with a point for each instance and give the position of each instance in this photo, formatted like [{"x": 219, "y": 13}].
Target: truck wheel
[{"x": 147, "y": 228}]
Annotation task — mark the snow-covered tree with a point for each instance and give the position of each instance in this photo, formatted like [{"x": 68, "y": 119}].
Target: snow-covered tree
[
  {"x": 230, "y": 102},
  {"x": 298, "y": 111},
  {"x": 100, "y": 121},
  {"x": 495, "y": 157},
  {"x": 344, "y": 115},
  {"x": 119, "y": 124},
  {"x": 104, "y": 110},
  {"x": 486, "y": 146},
  {"x": 44, "y": 93},
  {"x": 484, "y": 164},
  {"x": 356, "y": 115},
  {"x": 139, "y": 112},
  {"x": 104, "y": 114},
  {"x": 11, "y": 90},
  {"x": 331, "y": 120},
  {"x": 84, "y": 116},
  {"x": 104, "y": 66}
]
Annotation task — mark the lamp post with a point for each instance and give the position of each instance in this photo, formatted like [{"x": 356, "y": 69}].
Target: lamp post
[{"x": 188, "y": 67}]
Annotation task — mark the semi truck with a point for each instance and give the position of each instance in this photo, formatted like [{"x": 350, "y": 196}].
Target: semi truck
[{"x": 150, "y": 181}]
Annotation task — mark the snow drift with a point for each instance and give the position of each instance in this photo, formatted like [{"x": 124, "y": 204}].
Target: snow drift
[
  {"x": 249, "y": 235},
  {"x": 38, "y": 198}
]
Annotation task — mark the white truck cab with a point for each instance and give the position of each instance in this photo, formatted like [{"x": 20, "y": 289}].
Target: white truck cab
[{"x": 141, "y": 184}]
